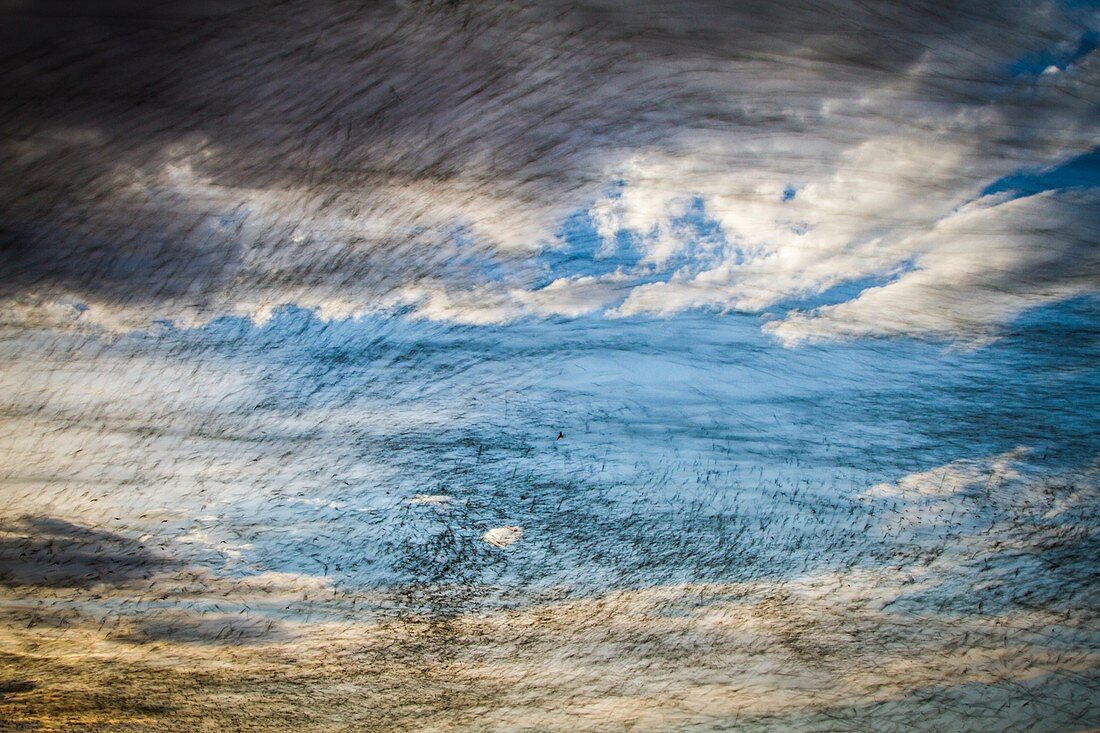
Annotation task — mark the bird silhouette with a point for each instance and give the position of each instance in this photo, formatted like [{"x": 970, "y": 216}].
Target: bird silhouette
[{"x": 560, "y": 435}]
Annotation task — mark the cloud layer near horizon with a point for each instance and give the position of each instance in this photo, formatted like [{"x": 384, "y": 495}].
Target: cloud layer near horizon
[
  {"x": 869, "y": 645},
  {"x": 186, "y": 163}
]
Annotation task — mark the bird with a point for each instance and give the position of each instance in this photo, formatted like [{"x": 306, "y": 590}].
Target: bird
[{"x": 560, "y": 435}]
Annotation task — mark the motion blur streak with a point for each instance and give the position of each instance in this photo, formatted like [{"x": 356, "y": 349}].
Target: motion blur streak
[{"x": 498, "y": 366}]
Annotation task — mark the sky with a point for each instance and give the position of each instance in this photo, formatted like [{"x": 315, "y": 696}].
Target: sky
[{"x": 558, "y": 366}]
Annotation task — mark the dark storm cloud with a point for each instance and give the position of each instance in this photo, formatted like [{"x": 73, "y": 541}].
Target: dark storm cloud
[
  {"x": 54, "y": 553},
  {"x": 188, "y": 160},
  {"x": 183, "y": 627}
]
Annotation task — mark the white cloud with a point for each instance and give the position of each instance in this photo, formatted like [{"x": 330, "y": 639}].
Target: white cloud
[
  {"x": 503, "y": 536},
  {"x": 973, "y": 271},
  {"x": 572, "y": 296}
]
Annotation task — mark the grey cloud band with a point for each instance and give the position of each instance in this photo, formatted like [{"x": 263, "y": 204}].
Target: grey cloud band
[{"x": 189, "y": 161}]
